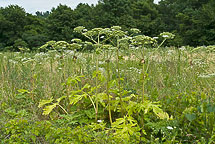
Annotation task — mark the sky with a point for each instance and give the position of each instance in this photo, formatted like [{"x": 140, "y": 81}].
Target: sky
[{"x": 31, "y": 6}]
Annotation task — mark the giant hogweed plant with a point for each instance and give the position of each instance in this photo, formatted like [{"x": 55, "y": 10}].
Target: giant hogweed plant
[
  {"x": 96, "y": 37},
  {"x": 79, "y": 98},
  {"x": 142, "y": 42},
  {"x": 125, "y": 127},
  {"x": 62, "y": 48},
  {"x": 109, "y": 40}
]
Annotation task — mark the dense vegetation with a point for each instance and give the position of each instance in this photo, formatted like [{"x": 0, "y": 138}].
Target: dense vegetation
[
  {"x": 73, "y": 76},
  {"x": 128, "y": 89},
  {"x": 193, "y": 21}
]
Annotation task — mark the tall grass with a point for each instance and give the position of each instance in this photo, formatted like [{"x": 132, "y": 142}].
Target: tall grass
[{"x": 181, "y": 79}]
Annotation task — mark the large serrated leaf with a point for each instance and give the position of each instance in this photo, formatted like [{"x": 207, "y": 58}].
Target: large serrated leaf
[
  {"x": 163, "y": 115},
  {"x": 76, "y": 98},
  {"x": 59, "y": 99},
  {"x": 118, "y": 122},
  {"x": 44, "y": 102},
  {"x": 48, "y": 109}
]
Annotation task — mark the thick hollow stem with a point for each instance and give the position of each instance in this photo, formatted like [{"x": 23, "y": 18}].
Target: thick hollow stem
[
  {"x": 161, "y": 44},
  {"x": 93, "y": 104},
  {"x": 63, "y": 109},
  {"x": 97, "y": 69},
  {"x": 119, "y": 78},
  {"x": 143, "y": 89},
  {"x": 143, "y": 71},
  {"x": 107, "y": 91},
  {"x": 97, "y": 105}
]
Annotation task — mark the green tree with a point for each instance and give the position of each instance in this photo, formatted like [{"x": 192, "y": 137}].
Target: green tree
[
  {"x": 146, "y": 16},
  {"x": 83, "y": 15},
  {"x": 188, "y": 20},
  {"x": 34, "y": 31},
  {"x": 42, "y": 14},
  {"x": 13, "y": 19},
  {"x": 60, "y": 23},
  {"x": 113, "y": 12},
  {"x": 207, "y": 20}
]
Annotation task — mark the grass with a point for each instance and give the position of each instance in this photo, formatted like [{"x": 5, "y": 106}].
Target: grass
[{"x": 181, "y": 80}]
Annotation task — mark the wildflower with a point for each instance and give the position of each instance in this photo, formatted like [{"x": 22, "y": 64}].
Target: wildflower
[
  {"x": 99, "y": 121},
  {"x": 12, "y": 61},
  {"x": 101, "y": 62},
  {"x": 170, "y": 52},
  {"x": 182, "y": 48},
  {"x": 169, "y": 127},
  {"x": 165, "y": 36},
  {"x": 101, "y": 69},
  {"x": 206, "y": 75}
]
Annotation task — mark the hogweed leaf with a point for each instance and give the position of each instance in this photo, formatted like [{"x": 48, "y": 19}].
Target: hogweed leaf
[
  {"x": 76, "y": 98},
  {"x": 44, "y": 102},
  {"x": 48, "y": 109},
  {"x": 118, "y": 122},
  {"x": 59, "y": 99}
]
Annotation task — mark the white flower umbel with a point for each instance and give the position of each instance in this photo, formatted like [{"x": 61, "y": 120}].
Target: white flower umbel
[
  {"x": 182, "y": 48},
  {"x": 99, "y": 121},
  {"x": 169, "y": 127},
  {"x": 165, "y": 36}
]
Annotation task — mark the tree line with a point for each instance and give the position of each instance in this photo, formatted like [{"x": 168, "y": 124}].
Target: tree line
[{"x": 193, "y": 21}]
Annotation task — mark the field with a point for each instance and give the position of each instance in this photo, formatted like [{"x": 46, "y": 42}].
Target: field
[
  {"x": 117, "y": 87},
  {"x": 81, "y": 97}
]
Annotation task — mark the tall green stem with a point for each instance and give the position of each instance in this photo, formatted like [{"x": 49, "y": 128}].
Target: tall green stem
[
  {"x": 107, "y": 91},
  {"x": 119, "y": 78},
  {"x": 161, "y": 44},
  {"x": 143, "y": 90},
  {"x": 97, "y": 69},
  {"x": 143, "y": 71},
  {"x": 97, "y": 105}
]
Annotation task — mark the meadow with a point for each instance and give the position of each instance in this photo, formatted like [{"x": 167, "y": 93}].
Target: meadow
[{"x": 118, "y": 93}]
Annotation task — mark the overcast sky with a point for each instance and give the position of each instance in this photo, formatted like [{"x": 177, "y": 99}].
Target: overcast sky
[{"x": 31, "y": 6}]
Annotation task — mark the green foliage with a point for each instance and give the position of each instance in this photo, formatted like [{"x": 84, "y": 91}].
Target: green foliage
[
  {"x": 188, "y": 20},
  {"x": 21, "y": 45},
  {"x": 20, "y": 29},
  {"x": 128, "y": 89},
  {"x": 192, "y": 22},
  {"x": 60, "y": 23},
  {"x": 178, "y": 104}
]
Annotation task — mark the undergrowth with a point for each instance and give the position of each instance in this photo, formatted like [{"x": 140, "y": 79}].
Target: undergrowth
[{"x": 127, "y": 89}]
